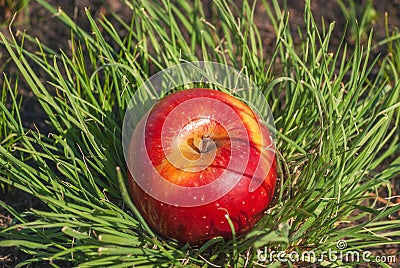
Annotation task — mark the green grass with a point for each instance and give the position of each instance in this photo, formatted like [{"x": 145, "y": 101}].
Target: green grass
[
  {"x": 337, "y": 123},
  {"x": 12, "y": 7}
]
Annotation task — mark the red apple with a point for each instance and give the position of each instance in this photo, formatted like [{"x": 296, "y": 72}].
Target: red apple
[{"x": 201, "y": 144}]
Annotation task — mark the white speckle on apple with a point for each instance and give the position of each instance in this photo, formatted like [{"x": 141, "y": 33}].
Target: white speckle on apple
[
  {"x": 204, "y": 217},
  {"x": 244, "y": 203}
]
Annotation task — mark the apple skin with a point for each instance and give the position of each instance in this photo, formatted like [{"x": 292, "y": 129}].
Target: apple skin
[{"x": 197, "y": 224}]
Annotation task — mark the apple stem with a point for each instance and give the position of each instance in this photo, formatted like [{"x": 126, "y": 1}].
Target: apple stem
[{"x": 205, "y": 141}]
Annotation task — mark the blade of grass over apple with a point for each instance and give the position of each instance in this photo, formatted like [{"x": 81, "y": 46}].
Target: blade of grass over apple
[{"x": 337, "y": 124}]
